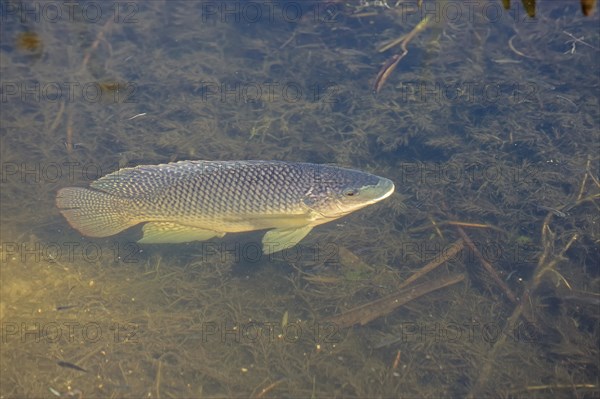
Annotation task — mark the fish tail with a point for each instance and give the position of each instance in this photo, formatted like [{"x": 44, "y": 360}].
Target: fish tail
[{"x": 94, "y": 213}]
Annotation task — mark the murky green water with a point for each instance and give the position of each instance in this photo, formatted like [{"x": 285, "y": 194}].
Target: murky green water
[{"x": 488, "y": 126}]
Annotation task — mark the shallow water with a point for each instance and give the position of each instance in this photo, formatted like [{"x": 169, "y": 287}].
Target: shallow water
[{"x": 488, "y": 124}]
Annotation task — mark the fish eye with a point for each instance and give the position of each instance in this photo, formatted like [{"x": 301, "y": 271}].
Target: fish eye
[{"x": 350, "y": 192}]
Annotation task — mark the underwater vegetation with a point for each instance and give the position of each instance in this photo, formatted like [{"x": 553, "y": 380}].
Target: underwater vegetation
[{"x": 477, "y": 278}]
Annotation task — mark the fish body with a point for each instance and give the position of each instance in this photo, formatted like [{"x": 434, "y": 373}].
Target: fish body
[{"x": 198, "y": 200}]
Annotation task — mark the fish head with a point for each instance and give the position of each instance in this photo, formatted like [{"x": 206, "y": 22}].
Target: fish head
[{"x": 338, "y": 191}]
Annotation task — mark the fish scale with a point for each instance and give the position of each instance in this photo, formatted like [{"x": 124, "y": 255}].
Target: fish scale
[{"x": 196, "y": 200}]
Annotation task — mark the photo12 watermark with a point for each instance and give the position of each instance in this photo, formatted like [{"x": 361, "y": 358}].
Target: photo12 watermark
[
  {"x": 490, "y": 251},
  {"x": 66, "y": 331},
  {"x": 450, "y": 11},
  {"x": 61, "y": 253},
  {"x": 68, "y": 11},
  {"x": 467, "y": 92},
  {"x": 268, "y": 92},
  {"x": 68, "y": 172},
  {"x": 68, "y": 92},
  {"x": 470, "y": 332},
  {"x": 431, "y": 174},
  {"x": 244, "y": 251},
  {"x": 269, "y": 331},
  {"x": 268, "y": 12}
]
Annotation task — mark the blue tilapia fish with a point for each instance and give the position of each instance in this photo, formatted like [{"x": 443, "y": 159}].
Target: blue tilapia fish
[{"x": 198, "y": 200}]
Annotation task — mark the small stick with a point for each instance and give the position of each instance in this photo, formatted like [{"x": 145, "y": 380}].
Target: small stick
[
  {"x": 391, "y": 64},
  {"x": 157, "y": 386},
  {"x": 455, "y": 223},
  {"x": 396, "y": 361},
  {"x": 519, "y": 311},
  {"x": 559, "y": 386},
  {"x": 58, "y": 117},
  {"x": 267, "y": 389},
  {"x": 405, "y": 39},
  {"x": 590, "y": 174},
  {"x": 69, "y": 142},
  {"x": 454, "y": 249},
  {"x": 437, "y": 229},
  {"x": 96, "y": 42},
  {"x": 488, "y": 267},
  {"x": 386, "y": 71},
  {"x": 578, "y": 40},
  {"x": 512, "y": 47},
  {"x": 467, "y": 224},
  {"x": 370, "y": 311},
  {"x": 391, "y": 44}
]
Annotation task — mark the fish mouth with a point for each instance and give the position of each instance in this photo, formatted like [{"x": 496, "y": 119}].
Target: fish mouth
[{"x": 384, "y": 188}]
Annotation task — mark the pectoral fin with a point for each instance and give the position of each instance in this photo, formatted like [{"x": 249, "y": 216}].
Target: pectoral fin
[
  {"x": 280, "y": 239},
  {"x": 168, "y": 232}
]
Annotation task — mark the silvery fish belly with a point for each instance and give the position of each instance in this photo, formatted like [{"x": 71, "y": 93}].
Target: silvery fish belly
[{"x": 198, "y": 200}]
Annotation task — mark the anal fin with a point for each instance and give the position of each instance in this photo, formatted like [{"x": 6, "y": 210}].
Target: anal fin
[{"x": 170, "y": 233}]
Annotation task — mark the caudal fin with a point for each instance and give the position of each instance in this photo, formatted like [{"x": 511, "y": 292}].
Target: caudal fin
[{"x": 94, "y": 213}]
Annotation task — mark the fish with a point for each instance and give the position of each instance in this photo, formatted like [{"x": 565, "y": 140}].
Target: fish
[
  {"x": 70, "y": 365},
  {"x": 198, "y": 200}
]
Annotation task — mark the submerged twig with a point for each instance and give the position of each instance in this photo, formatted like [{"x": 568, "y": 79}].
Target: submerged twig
[
  {"x": 391, "y": 63},
  {"x": 69, "y": 141},
  {"x": 544, "y": 265},
  {"x": 383, "y": 306},
  {"x": 454, "y": 249},
  {"x": 94, "y": 46},
  {"x": 57, "y": 118},
  {"x": 267, "y": 389},
  {"x": 487, "y": 266},
  {"x": 84, "y": 62}
]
